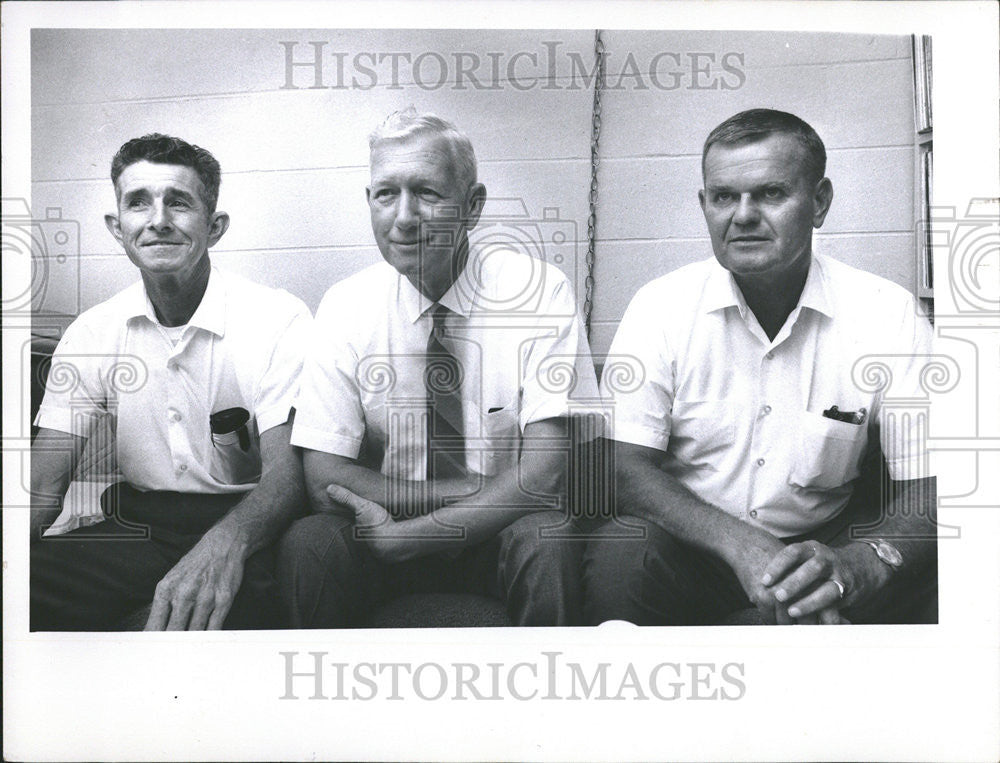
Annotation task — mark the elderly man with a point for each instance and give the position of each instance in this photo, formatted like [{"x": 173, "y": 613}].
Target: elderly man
[
  {"x": 202, "y": 429},
  {"x": 432, "y": 399},
  {"x": 740, "y": 453}
]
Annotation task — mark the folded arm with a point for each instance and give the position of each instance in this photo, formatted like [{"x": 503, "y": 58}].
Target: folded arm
[
  {"x": 535, "y": 483},
  {"x": 645, "y": 490}
]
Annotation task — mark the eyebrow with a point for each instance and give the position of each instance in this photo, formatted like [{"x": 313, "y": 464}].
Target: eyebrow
[
  {"x": 170, "y": 193},
  {"x": 784, "y": 185}
]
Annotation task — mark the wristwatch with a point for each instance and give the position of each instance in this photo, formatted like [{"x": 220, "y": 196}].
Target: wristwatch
[{"x": 885, "y": 551}]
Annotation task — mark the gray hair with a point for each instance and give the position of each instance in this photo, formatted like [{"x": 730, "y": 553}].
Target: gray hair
[{"x": 400, "y": 125}]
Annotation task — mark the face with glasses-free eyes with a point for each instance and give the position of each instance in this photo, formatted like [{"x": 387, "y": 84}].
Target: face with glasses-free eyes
[
  {"x": 761, "y": 206},
  {"x": 163, "y": 222},
  {"x": 420, "y": 213}
]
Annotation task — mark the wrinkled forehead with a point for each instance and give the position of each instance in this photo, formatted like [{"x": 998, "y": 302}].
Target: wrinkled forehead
[
  {"x": 773, "y": 158},
  {"x": 423, "y": 151},
  {"x": 159, "y": 177}
]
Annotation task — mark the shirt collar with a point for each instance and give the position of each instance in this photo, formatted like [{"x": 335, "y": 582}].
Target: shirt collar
[
  {"x": 816, "y": 294},
  {"x": 210, "y": 314},
  {"x": 721, "y": 290}
]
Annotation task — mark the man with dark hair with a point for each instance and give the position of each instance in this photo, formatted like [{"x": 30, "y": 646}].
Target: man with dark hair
[
  {"x": 433, "y": 395},
  {"x": 197, "y": 369},
  {"x": 165, "y": 149},
  {"x": 740, "y": 454}
]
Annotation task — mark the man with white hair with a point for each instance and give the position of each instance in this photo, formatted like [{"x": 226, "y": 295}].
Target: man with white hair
[{"x": 435, "y": 436}]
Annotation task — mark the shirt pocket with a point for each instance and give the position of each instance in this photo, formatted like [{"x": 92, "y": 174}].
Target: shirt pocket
[
  {"x": 829, "y": 452},
  {"x": 700, "y": 431},
  {"x": 501, "y": 440}
]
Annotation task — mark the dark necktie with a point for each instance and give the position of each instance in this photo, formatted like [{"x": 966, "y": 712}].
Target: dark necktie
[{"x": 443, "y": 375}]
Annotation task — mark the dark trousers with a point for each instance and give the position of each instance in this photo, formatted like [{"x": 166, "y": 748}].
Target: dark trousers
[
  {"x": 91, "y": 578},
  {"x": 655, "y": 579},
  {"x": 330, "y": 579}
]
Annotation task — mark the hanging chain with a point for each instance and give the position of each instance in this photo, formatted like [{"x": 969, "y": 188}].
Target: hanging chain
[{"x": 595, "y": 139}]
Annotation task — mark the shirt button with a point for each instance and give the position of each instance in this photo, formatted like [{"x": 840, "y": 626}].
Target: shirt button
[
  {"x": 172, "y": 366},
  {"x": 766, "y": 409},
  {"x": 770, "y": 356},
  {"x": 753, "y": 513},
  {"x": 182, "y": 468},
  {"x": 760, "y": 462},
  {"x": 175, "y": 416}
]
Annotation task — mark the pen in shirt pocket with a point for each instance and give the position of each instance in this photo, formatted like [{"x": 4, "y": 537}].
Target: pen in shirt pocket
[{"x": 848, "y": 417}]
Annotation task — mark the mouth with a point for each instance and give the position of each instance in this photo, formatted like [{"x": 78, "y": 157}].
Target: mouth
[
  {"x": 748, "y": 239},
  {"x": 405, "y": 245},
  {"x": 161, "y": 243}
]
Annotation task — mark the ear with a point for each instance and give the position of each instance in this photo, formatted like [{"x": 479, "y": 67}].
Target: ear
[
  {"x": 114, "y": 226},
  {"x": 701, "y": 199},
  {"x": 220, "y": 224},
  {"x": 822, "y": 199},
  {"x": 475, "y": 200}
]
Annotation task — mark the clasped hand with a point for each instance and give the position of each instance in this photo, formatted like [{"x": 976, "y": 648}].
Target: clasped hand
[{"x": 807, "y": 582}]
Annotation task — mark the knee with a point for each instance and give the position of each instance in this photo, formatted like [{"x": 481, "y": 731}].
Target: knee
[
  {"x": 317, "y": 540},
  {"x": 621, "y": 554},
  {"x": 626, "y": 544},
  {"x": 544, "y": 538}
]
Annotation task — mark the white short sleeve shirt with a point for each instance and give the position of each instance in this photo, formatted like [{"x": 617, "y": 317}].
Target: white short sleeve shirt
[
  {"x": 513, "y": 327},
  {"x": 740, "y": 417},
  {"x": 243, "y": 347}
]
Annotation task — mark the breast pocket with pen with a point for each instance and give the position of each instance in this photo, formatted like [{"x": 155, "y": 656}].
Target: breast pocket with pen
[
  {"x": 235, "y": 458},
  {"x": 829, "y": 451}
]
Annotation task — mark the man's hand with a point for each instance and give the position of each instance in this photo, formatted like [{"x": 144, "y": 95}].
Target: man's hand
[
  {"x": 757, "y": 568},
  {"x": 391, "y": 541},
  {"x": 198, "y": 592},
  {"x": 372, "y": 522},
  {"x": 804, "y": 576}
]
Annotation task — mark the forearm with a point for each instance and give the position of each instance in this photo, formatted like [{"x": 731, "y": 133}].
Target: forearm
[
  {"x": 502, "y": 501},
  {"x": 535, "y": 483},
  {"x": 265, "y": 512},
  {"x": 53, "y": 460},
  {"x": 908, "y": 522},
  {"x": 645, "y": 490},
  {"x": 279, "y": 497},
  {"x": 401, "y": 498}
]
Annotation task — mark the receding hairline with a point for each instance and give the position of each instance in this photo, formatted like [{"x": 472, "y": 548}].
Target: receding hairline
[
  {"x": 408, "y": 124},
  {"x": 440, "y": 142}
]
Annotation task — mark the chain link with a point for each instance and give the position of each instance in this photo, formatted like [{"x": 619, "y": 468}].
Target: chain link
[{"x": 595, "y": 160}]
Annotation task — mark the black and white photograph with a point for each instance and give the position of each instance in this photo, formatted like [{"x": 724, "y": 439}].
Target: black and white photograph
[{"x": 412, "y": 387}]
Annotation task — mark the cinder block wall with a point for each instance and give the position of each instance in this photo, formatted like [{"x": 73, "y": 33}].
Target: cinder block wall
[{"x": 294, "y": 149}]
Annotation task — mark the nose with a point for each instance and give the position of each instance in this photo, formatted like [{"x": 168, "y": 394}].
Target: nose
[
  {"x": 159, "y": 216},
  {"x": 746, "y": 213},
  {"x": 407, "y": 211}
]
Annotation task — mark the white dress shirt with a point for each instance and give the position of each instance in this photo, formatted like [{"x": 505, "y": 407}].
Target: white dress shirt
[
  {"x": 243, "y": 347},
  {"x": 513, "y": 327},
  {"x": 740, "y": 417}
]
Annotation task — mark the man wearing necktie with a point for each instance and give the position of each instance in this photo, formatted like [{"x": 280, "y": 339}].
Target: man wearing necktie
[{"x": 435, "y": 413}]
